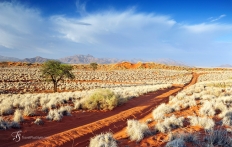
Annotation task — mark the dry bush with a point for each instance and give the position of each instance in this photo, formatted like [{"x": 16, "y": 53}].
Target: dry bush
[
  {"x": 207, "y": 109},
  {"x": 4, "y": 124},
  {"x": 54, "y": 115},
  {"x": 206, "y": 123},
  {"x": 15, "y": 125},
  {"x": 65, "y": 110},
  {"x": 6, "y": 109},
  {"x": 169, "y": 123},
  {"x": 103, "y": 140},
  {"x": 227, "y": 119},
  {"x": 187, "y": 137},
  {"x": 159, "y": 112},
  {"x": 29, "y": 111},
  {"x": 18, "y": 115},
  {"x": 45, "y": 108},
  {"x": 77, "y": 105},
  {"x": 38, "y": 121},
  {"x": 189, "y": 101},
  {"x": 218, "y": 105},
  {"x": 179, "y": 142},
  {"x": 101, "y": 99},
  {"x": 136, "y": 130},
  {"x": 218, "y": 137}
]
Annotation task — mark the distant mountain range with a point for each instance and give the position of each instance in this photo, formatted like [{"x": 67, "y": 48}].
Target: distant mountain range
[
  {"x": 86, "y": 59},
  {"x": 3, "y": 58},
  {"x": 226, "y": 65},
  {"x": 36, "y": 59}
]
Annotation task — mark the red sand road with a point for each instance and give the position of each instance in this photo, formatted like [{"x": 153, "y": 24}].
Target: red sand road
[
  {"x": 77, "y": 120},
  {"x": 79, "y": 128},
  {"x": 157, "y": 140}
]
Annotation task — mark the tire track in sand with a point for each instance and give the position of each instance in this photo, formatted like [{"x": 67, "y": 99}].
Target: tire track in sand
[{"x": 80, "y": 136}]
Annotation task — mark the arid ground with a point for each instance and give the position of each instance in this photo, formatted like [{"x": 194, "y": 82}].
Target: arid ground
[{"x": 82, "y": 125}]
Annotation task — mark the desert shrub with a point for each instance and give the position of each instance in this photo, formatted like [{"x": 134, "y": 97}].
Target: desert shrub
[
  {"x": 65, "y": 110},
  {"x": 44, "y": 100},
  {"x": 136, "y": 130},
  {"x": 53, "y": 103},
  {"x": 173, "y": 136},
  {"x": 45, "y": 108},
  {"x": 218, "y": 137},
  {"x": 206, "y": 123},
  {"x": 207, "y": 109},
  {"x": 192, "y": 138},
  {"x": 207, "y": 97},
  {"x": 101, "y": 99},
  {"x": 189, "y": 102},
  {"x": 7, "y": 125},
  {"x": 14, "y": 125},
  {"x": 187, "y": 137},
  {"x": 29, "y": 111},
  {"x": 176, "y": 106},
  {"x": 179, "y": 142},
  {"x": 103, "y": 140},
  {"x": 159, "y": 112},
  {"x": 122, "y": 100},
  {"x": 226, "y": 100},
  {"x": 16, "y": 103},
  {"x": 6, "y": 109},
  {"x": 169, "y": 123},
  {"x": 181, "y": 95},
  {"x": 38, "y": 121},
  {"x": 223, "y": 113},
  {"x": 220, "y": 106},
  {"x": 77, "y": 105},
  {"x": 227, "y": 119},
  {"x": 54, "y": 115},
  {"x": 158, "y": 116},
  {"x": 18, "y": 117},
  {"x": 4, "y": 124}
]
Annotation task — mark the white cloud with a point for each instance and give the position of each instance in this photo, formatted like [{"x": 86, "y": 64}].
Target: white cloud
[
  {"x": 109, "y": 27},
  {"x": 20, "y": 27},
  {"x": 207, "y": 28},
  {"x": 121, "y": 34},
  {"x": 218, "y": 18},
  {"x": 81, "y": 7}
]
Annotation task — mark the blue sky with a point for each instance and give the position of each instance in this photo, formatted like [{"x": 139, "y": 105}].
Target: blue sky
[{"x": 195, "y": 32}]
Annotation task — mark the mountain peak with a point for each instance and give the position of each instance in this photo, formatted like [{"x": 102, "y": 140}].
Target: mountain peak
[{"x": 36, "y": 59}]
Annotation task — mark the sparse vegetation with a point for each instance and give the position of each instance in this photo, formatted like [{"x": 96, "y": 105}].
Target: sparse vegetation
[
  {"x": 218, "y": 137},
  {"x": 101, "y": 99},
  {"x": 204, "y": 106},
  {"x": 54, "y": 115},
  {"x": 169, "y": 123},
  {"x": 18, "y": 117},
  {"x": 136, "y": 130},
  {"x": 39, "y": 121},
  {"x": 106, "y": 140},
  {"x": 29, "y": 111},
  {"x": 179, "y": 142}
]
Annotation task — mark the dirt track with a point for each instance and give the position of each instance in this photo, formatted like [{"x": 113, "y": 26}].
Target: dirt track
[{"x": 113, "y": 121}]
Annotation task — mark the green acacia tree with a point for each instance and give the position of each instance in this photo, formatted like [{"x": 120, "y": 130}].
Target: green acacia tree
[
  {"x": 55, "y": 71},
  {"x": 94, "y": 65}
]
